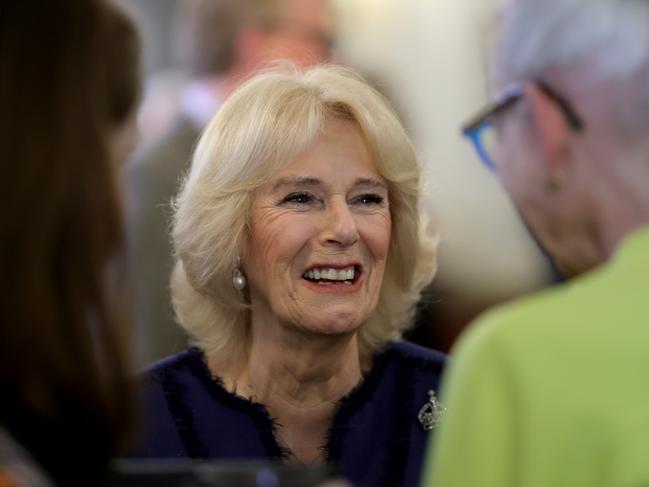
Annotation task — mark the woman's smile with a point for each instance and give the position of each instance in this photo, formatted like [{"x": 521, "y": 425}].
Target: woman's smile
[{"x": 334, "y": 278}]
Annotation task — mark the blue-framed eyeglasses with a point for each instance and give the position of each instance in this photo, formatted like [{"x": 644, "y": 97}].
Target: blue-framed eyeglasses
[{"x": 480, "y": 131}]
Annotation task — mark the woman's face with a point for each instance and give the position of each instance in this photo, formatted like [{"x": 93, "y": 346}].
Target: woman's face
[{"x": 320, "y": 232}]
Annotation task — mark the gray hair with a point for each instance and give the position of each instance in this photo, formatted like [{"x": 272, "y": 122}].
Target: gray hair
[
  {"x": 602, "y": 41},
  {"x": 538, "y": 35}
]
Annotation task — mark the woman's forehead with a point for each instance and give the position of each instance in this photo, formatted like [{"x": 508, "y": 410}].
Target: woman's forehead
[{"x": 330, "y": 162}]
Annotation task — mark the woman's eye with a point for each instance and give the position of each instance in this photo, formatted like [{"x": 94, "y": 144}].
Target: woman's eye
[
  {"x": 298, "y": 198},
  {"x": 370, "y": 199}
]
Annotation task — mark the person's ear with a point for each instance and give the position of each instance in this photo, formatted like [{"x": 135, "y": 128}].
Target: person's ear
[{"x": 551, "y": 127}]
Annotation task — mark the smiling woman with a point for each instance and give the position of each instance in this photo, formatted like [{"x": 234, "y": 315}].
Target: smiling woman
[{"x": 300, "y": 257}]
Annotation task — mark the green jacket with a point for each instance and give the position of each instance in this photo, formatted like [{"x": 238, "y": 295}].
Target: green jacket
[{"x": 553, "y": 390}]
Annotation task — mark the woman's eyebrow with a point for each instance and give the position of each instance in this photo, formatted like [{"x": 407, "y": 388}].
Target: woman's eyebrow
[
  {"x": 296, "y": 181},
  {"x": 313, "y": 181},
  {"x": 371, "y": 181}
]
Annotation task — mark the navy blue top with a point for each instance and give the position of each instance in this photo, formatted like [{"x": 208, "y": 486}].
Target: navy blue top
[{"x": 376, "y": 438}]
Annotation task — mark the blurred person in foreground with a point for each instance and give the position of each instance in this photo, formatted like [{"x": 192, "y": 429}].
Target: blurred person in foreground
[
  {"x": 551, "y": 390},
  {"x": 300, "y": 258},
  {"x": 225, "y": 41},
  {"x": 68, "y": 86}
]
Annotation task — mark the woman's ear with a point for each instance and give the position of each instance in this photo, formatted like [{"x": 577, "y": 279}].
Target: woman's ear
[{"x": 551, "y": 127}]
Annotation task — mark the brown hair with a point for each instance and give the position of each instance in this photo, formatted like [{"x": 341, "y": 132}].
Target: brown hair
[{"x": 68, "y": 78}]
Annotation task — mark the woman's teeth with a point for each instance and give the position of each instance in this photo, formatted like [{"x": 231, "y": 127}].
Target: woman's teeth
[{"x": 326, "y": 275}]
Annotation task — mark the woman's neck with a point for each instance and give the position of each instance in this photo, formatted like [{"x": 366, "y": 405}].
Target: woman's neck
[{"x": 299, "y": 378}]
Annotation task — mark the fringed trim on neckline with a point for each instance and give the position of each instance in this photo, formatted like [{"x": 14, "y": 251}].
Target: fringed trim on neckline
[
  {"x": 174, "y": 393},
  {"x": 351, "y": 403},
  {"x": 264, "y": 423}
]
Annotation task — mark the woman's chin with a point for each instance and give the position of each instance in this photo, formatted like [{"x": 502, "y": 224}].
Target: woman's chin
[{"x": 342, "y": 323}]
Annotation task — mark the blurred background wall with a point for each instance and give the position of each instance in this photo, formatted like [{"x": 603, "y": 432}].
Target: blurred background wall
[{"x": 429, "y": 57}]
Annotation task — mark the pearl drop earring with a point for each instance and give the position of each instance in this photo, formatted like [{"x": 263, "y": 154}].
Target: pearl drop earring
[{"x": 238, "y": 280}]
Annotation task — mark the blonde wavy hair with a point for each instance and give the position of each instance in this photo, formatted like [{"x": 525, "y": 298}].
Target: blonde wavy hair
[{"x": 264, "y": 125}]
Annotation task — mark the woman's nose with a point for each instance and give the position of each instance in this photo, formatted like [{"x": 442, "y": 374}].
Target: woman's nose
[{"x": 340, "y": 225}]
